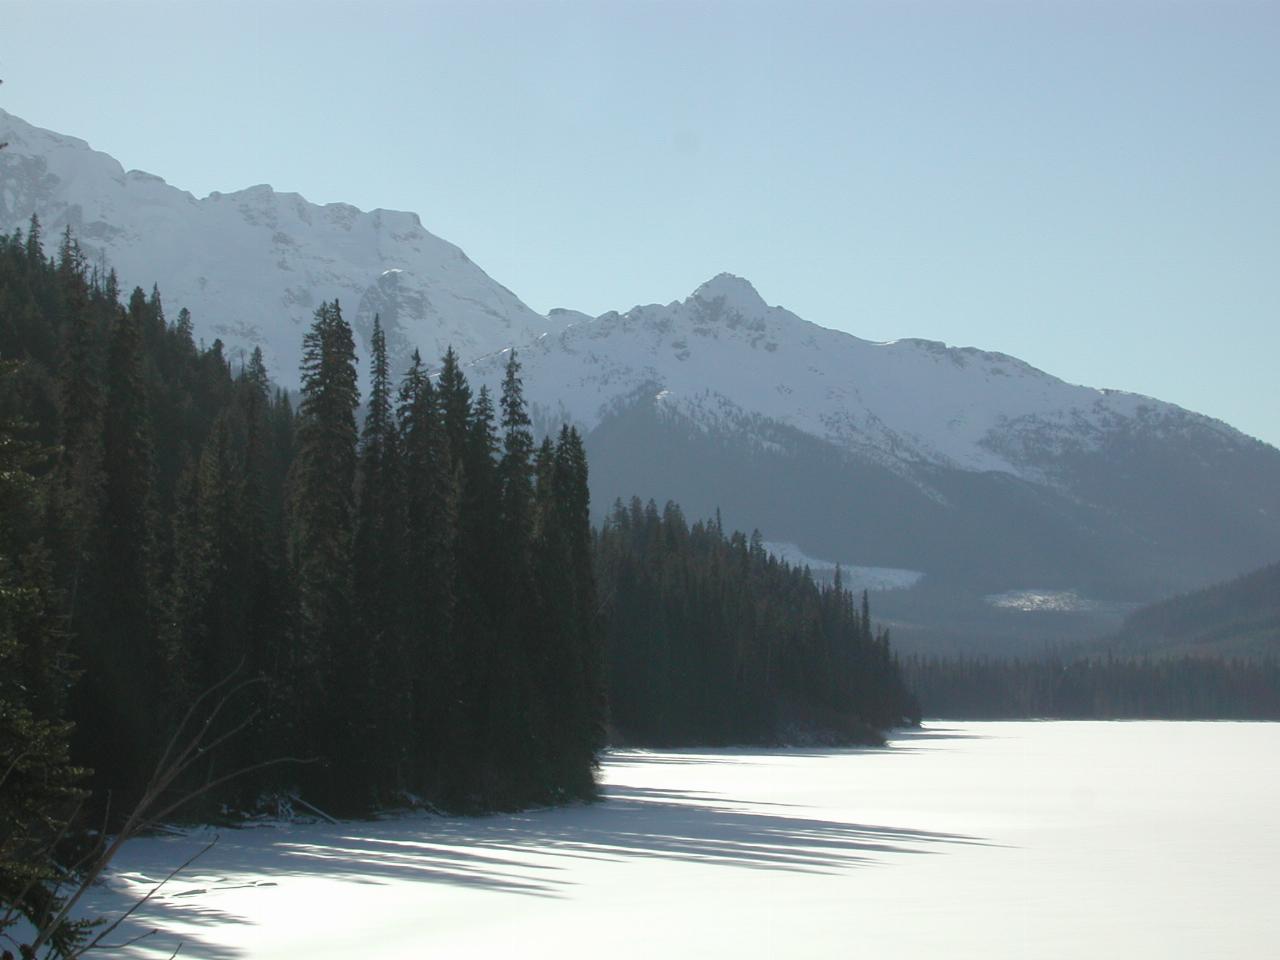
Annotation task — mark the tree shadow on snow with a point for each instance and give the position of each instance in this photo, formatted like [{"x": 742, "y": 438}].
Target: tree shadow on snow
[
  {"x": 182, "y": 901},
  {"x": 528, "y": 854},
  {"x": 518, "y": 854},
  {"x": 901, "y": 742},
  {"x": 927, "y": 733}
]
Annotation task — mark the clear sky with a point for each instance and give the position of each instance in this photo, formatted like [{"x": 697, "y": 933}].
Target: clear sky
[{"x": 1091, "y": 186}]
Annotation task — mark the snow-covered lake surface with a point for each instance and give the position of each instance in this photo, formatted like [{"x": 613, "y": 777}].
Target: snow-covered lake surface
[{"x": 983, "y": 840}]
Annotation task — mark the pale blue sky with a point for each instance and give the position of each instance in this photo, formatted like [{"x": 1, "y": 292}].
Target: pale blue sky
[{"x": 1093, "y": 187}]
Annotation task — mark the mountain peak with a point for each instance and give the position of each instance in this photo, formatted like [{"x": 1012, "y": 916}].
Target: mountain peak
[{"x": 738, "y": 293}]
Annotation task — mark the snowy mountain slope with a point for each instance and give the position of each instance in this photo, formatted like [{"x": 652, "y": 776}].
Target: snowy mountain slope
[
  {"x": 253, "y": 265},
  {"x": 723, "y": 352},
  {"x": 971, "y": 467}
]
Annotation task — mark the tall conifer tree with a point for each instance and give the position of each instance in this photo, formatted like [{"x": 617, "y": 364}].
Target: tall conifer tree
[
  {"x": 585, "y": 641},
  {"x": 518, "y": 704},
  {"x": 118, "y": 634},
  {"x": 431, "y": 503},
  {"x": 326, "y": 655},
  {"x": 380, "y": 575},
  {"x": 479, "y": 593},
  {"x": 40, "y": 786},
  {"x": 455, "y": 404}
]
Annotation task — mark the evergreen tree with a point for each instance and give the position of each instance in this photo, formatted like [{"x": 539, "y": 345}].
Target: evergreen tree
[
  {"x": 574, "y": 502},
  {"x": 78, "y": 486},
  {"x": 35, "y": 242},
  {"x": 326, "y": 658},
  {"x": 154, "y": 327},
  {"x": 455, "y": 405},
  {"x": 431, "y": 502},
  {"x": 185, "y": 332},
  {"x": 519, "y": 724},
  {"x": 265, "y": 587},
  {"x": 208, "y": 629},
  {"x": 380, "y": 571},
  {"x": 39, "y": 786},
  {"x": 117, "y": 631},
  {"x": 571, "y": 639},
  {"x": 479, "y": 600}
]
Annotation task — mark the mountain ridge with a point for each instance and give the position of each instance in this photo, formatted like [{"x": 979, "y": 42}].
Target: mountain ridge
[
  {"x": 253, "y": 264},
  {"x": 903, "y": 401},
  {"x": 974, "y": 469}
]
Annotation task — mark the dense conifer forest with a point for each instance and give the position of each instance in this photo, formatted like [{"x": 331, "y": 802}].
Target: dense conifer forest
[
  {"x": 711, "y": 639},
  {"x": 1096, "y": 688},
  {"x": 416, "y": 591},
  {"x": 1239, "y": 618}
]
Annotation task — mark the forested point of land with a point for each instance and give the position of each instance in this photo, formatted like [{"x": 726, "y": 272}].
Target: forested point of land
[{"x": 713, "y": 640}]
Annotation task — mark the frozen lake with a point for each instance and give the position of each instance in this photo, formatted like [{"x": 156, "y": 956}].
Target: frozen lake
[{"x": 983, "y": 840}]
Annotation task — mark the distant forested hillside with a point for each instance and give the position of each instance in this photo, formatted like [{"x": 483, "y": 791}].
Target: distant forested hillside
[
  {"x": 1209, "y": 655},
  {"x": 1095, "y": 688},
  {"x": 1239, "y": 618}
]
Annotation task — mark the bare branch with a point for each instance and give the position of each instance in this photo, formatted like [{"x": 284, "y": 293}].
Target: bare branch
[
  {"x": 221, "y": 780},
  {"x": 191, "y": 712},
  {"x": 13, "y": 766},
  {"x": 97, "y": 941},
  {"x": 120, "y": 946},
  {"x": 46, "y": 856},
  {"x": 185, "y": 746}
]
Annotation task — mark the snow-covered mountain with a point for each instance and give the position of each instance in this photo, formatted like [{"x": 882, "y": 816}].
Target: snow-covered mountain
[
  {"x": 990, "y": 477},
  {"x": 253, "y": 265},
  {"x": 723, "y": 353},
  {"x": 986, "y": 476}
]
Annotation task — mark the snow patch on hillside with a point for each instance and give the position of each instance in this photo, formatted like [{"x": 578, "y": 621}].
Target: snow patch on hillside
[
  {"x": 1053, "y": 601},
  {"x": 855, "y": 577}
]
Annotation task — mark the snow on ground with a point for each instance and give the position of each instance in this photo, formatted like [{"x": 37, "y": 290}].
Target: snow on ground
[
  {"x": 855, "y": 578},
  {"x": 1053, "y": 601},
  {"x": 995, "y": 840}
]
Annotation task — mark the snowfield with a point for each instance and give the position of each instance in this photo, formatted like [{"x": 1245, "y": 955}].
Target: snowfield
[
  {"x": 855, "y": 578},
  {"x": 984, "y": 840}
]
